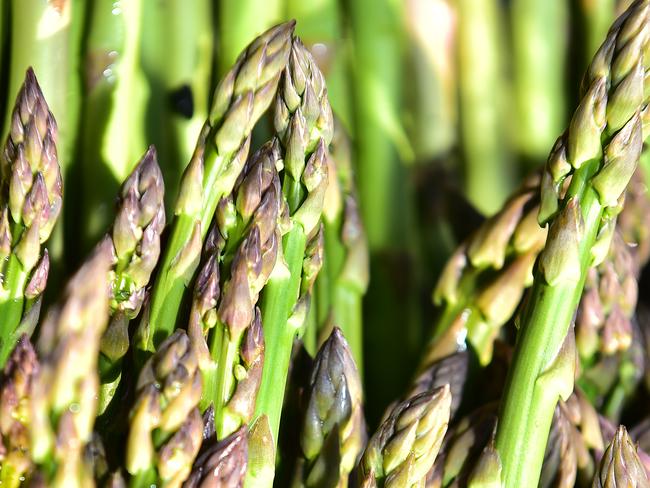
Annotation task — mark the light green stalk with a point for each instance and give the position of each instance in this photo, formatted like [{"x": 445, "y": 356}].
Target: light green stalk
[
  {"x": 113, "y": 129},
  {"x": 597, "y": 17},
  {"x": 177, "y": 45},
  {"x": 221, "y": 151},
  {"x": 239, "y": 22},
  {"x": 482, "y": 89},
  {"x": 600, "y": 152},
  {"x": 539, "y": 70}
]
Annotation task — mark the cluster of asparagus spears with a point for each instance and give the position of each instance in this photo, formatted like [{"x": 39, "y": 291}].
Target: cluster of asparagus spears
[{"x": 221, "y": 346}]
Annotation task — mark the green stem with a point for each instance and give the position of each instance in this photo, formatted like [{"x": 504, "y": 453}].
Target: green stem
[
  {"x": 280, "y": 295},
  {"x": 240, "y": 21},
  {"x": 539, "y": 54},
  {"x": 113, "y": 129},
  {"x": 224, "y": 351},
  {"x": 531, "y": 395},
  {"x": 12, "y": 301},
  {"x": 481, "y": 91},
  {"x": 144, "y": 479},
  {"x": 177, "y": 45}
]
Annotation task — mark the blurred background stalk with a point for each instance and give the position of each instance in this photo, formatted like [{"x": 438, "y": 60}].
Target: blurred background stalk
[
  {"x": 239, "y": 22},
  {"x": 113, "y": 125},
  {"x": 539, "y": 42},
  {"x": 386, "y": 196},
  {"x": 177, "y": 48},
  {"x": 482, "y": 88}
]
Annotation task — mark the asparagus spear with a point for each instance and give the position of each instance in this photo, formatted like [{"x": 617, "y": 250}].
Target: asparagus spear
[
  {"x": 406, "y": 444},
  {"x": 225, "y": 323},
  {"x": 342, "y": 284},
  {"x": 601, "y": 148},
  {"x": 333, "y": 432},
  {"x": 63, "y": 402},
  {"x": 539, "y": 58},
  {"x": 221, "y": 151},
  {"x": 222, "y": 465},
  {"x": 15, "y": 390},
  {"x": 303, "y": 121},
  {"x": 166, "y": 428},
  {"x": 634, "y": 220},
  {"x": 135, "y": 238},
  {"x": 620, "y": 465},
  {"x": 30, "y": 203}
]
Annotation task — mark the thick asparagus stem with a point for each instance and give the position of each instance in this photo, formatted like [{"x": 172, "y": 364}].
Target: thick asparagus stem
[
  {"x": 303, "y": 121},
  {"x": 333, "y": 432},
  {"x": 30, "y": 203},
  {"x": 402, "y": 451},
  {"x": 113, "y": 131},
  {"x": 222, "y": 149},
  {"x": 240, "y": 21},
  {"x": 135, "y": 237},
  {"x": 539, "y": 68},
  {"x": 177, "y": 48},
  {"x": 600, "y": 151},
  {"x": 481, "y": 92},
  {"x": 63, "y": 402},
  {"x": 166, "y": 428}
]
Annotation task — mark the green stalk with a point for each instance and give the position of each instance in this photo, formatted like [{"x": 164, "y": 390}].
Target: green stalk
[
  {"x": 481, "y": 91},
  {"x": 279, "y": 297},
  {"x": 239, "y": 22},
  {"x": 597, "y": 17},
  {"x": 113, "y": 135},
  {"x": 177, "y": 45},
  {"x": 539, "y": 68},
  {"x": 599, "y": 152}
]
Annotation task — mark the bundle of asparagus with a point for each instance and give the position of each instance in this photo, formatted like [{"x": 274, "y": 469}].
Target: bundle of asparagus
[{"x": 228, "y": 345}]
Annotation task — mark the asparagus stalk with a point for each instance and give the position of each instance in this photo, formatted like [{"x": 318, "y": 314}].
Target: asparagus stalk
[
  {"x": 63, "y": 401},
  {"x": 333, "y": 432},
  {"x": 406, "y": 444},
  {"x": 221, "y": 151},
  {"x": 303, "y": 121},
  {"x": 340, "y": 288},
  {"x": 481, "y": 82},
  {"x": 166, "y": 428},
  {"x": 135, "y": 238},
  {"x": 17, "y": 383},
  {"x": 222, "y": 465},
  {"x": 240, "y": 21},
  {"x": 30, "y": 203},
  {"x": 177, "y": 45},
  {"x": 539, "y": 57},
  {"x": 225, "y": 323},
  {"x": 620, "y": 465},
  {"x": 600, "y": 152},
  {"x": 113, "y": 130}
]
